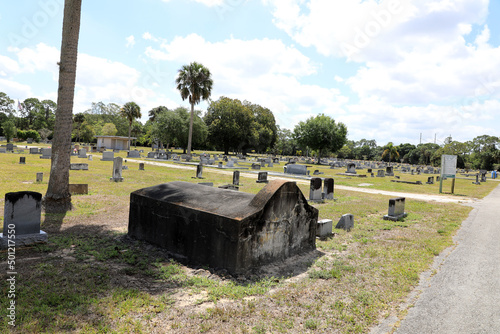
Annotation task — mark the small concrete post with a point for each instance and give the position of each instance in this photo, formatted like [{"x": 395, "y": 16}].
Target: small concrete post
[{"x": 199, "y": 171}]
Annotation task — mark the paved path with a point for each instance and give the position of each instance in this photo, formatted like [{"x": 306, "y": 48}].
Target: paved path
[
  {"x": 420, "y": 197},
  {"x": 464, "y": 295}
]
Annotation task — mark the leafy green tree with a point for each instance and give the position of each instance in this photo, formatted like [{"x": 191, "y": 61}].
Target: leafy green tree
[
  {"x": 153, "y": 113},
  {"x": 131, "y": 111},
  {"x": 321, "y": 133},
  {"x": 87, "y": 133},
  {"x": 167, "y": 127},
  {"x": 285, "y": 144},
  {"x": 391, "y": 151},
  {"x": 100, "y": 114},
  {"x": 78, "y": 120},
  {"x": 137, "y": 130},
  {"x": 6, "y": 104},
  {"x": 229, "y": 124},
  {"x": 264, "y": 129},
  {"x": 194, "y": 82},
  {"x": 109, "y": 129},
  {"x": 9, "y": 130}
]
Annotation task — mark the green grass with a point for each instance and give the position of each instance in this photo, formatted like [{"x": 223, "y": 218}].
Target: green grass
[{"x": 90, "y": 278}]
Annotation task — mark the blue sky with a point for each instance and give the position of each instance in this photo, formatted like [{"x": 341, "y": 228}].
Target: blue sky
[{"x": 389, "y": 69}]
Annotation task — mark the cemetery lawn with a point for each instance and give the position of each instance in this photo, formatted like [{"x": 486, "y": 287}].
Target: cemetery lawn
[{"x": 91, "y": 278}]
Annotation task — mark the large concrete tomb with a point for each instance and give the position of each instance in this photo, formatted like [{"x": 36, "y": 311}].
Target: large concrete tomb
[{"x": 221, "y": 228}]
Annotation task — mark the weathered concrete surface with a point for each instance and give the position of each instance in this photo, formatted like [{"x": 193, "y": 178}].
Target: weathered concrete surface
[{"x": 224, "y": 228}]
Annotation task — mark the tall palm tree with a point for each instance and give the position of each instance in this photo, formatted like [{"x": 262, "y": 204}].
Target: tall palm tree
[
  {"x": 131, "y": 111},
  {"x": 392, "y": 151},
  {"x": 194, "y": 81},
  {"x": 58, "y": 197}
]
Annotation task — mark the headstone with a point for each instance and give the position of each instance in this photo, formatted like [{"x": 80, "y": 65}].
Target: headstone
[
  {"x": 133, "y": 154},
  {"x": 372, "y": 175},
  {"x": 296, "y": 169},
  {"x": 346, "y": 222},
  {"x": 21, "y": 223},
  {"x": 46, "y": 153},
  {"x": 22, "y": 160},
  {"x": 324, "y": 228},
  {"x": 351, "y": 168},
  {"x": 315, "y": 193},
  {"x": 79, "y": 167},
  {"x": 124, "y": 167},
  {"x": 90, "y": 157},
  {"x": 82, "y": 153},
  {"x": 380, "y": 173},
  {"x": 230, "y": 164},
  {"x": 256, "y": 166},
  {"x": 369, "y": 170},
  {"x": 389, "y": 171},
  {"x": 438, "y": 178},
  {"x": 199, "y": 171},
  {"x": 396, "y": 209},
  {"x": 477, "y": 180},
  {"x": 236, "y": 178},
  {"x": 117, "y": 170},
  {"x": 430, "y": 180},
  {"x": 34, "y": 150},
  {"x": 141, "y": 166},
  {"x": 262, "y": 177},
  {"x": 108, "y": 156},
  {"x": 224, "y": 229},
  {"x": 39, "y": 177},
  {"x": 317, "y": 172},
  {"x": 79, "y": 189},
  {"x": 10, "y": 147},
  {"x": 220, "y": 164},
  {"x": 329, "y": 188},
  {"x": 3, "y": 150},
  {"x": 151, "y": 155},
  {"x": 483, "y": 175}
]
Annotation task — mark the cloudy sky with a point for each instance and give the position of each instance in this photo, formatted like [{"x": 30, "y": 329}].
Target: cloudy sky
[{"x": 391, "y": 70}]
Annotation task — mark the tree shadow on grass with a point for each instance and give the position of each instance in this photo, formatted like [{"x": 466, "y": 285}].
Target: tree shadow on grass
[{"x": 87, "y": 276}]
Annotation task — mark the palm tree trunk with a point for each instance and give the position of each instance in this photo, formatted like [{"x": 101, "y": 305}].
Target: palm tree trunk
[
  {"x": 58, "y": 197},
  {"x": 190, "y": 136},
  {"x": 129, "y": 130}
]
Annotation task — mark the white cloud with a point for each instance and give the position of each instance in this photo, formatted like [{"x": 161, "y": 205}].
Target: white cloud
[
  {"x": 242, "y": 70},
  {"x": 130, "y": 41}
]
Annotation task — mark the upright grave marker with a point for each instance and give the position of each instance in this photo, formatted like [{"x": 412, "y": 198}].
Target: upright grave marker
[{"x": 22, "y": 212}]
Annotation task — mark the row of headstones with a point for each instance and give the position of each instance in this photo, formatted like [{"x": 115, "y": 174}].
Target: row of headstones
[{"x": 396, "y": 212}]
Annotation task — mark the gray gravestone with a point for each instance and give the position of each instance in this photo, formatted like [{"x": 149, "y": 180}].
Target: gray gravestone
[
  {"x": 34, "y": 150},
  {"x": 396, "y": 209},
  {"x": 430, "y": 180},
  {"x": 346, "y": 222},
  {"x": 46, "y": 153},
  {"x": 79, "y": 167},
  {"x": 351, "y": 168},
  {"x": 10, "y": 147},
  {"x": 389, "y": 171},
  {"x": 22, "y": 212},
  {"x": 324, "y": 227},
  {"x": 256, "y": 166},
  {"x": 3, "y": 150},
  {"x": 262, "y": 177},
  {"x": 90, "y": 158},
  {"x": 230, "y": 164},
  {"x": 329, "y": 188},
  {"x": 22, "y": 160},
  {"x": 39, "y": 177},
  {"x": 82, "y": 153},
  {"x": 236, "y": 178},
  {"x": 315, "y": 193},
  {"x": 380, "y": 173},
  {"x": 296, "y": 169},
  {"x": 151, "y": 155},
  {"x": 108, "y": 156},
  {"x": 134, "y": 154},
  {"x": 141, "y": 166},
  {"x": 199, "y": 172},
  {"x": 117, "y": 170}
]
